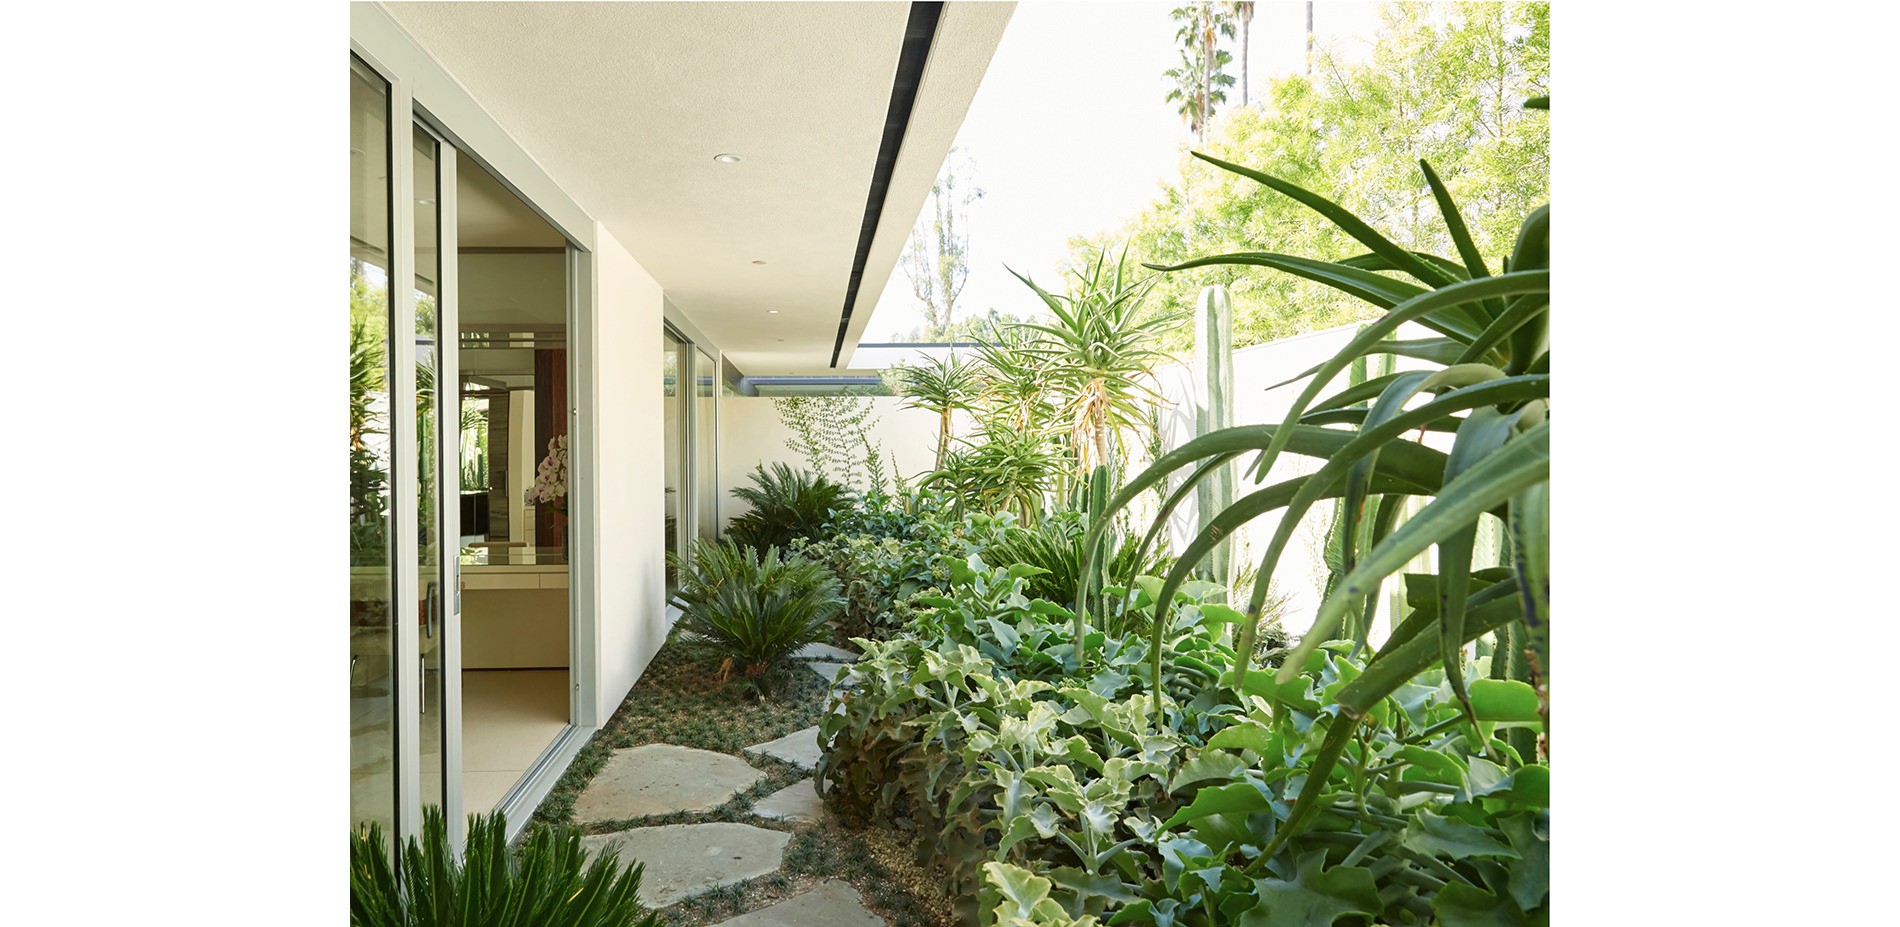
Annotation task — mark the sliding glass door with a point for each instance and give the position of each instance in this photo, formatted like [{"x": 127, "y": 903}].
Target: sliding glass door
[
  {"x": 373, "y": 611},
  {"x": 404, "y": 713}
]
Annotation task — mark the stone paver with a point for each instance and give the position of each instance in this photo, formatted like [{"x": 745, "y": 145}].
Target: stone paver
[
  {"x": 831, "y": 904},
  {"x": 796, "y": 802},
  {"x": 830, "y": 671},
  {"x": 800, "y": 748},
  {"x": 683, "y": 860},
  {"x": 662, "y": 779},
  {"x": 825, "y": 652}
]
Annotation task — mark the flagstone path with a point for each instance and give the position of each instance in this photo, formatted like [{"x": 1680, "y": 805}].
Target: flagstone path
[{"x": 684, "y": 860}]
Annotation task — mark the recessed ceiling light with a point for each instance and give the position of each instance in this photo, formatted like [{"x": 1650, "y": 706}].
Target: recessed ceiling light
[
  {"x": 772, "y": 311},
  {"x": 728, "y": 158},
  {"x": 758, "y": 262}
]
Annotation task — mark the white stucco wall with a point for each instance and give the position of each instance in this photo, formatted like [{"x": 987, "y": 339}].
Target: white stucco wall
[
  {"x": 1301, "y": 573},
  {"x": 751, "y": 434},
  {"x": 632, "y": 538}
]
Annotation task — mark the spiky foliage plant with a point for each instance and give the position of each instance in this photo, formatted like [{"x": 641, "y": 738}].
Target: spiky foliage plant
[
  {"x": 1489, "y": 388},
  {"x": 1008, "y": 470},
  {"x": 489, "y": 886},
  {"x": 748, "y": 611},
  {"x": 1015, "y": 389},
  {"x": 1098, "y": 352},
  {"x": 1055, "y": 546},
  {"x": 942, "y": 385},
  {"x": 787, "y": 504}
]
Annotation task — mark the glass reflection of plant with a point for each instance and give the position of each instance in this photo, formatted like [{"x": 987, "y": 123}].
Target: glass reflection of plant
[
  {"x": 369, "y": 476},
  {"x": 474, "y": 445}
]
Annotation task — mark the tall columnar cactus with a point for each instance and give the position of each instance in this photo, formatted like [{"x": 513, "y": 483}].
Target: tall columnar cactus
[{"x": 1214, "y": 410}]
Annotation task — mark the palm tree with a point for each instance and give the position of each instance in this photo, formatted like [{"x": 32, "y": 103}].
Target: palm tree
[
  {"x": 1097, "y": 354},
  {"x": 1243, "y": 11},
  {"x": 1200, "y": 78},
  {"x": 942, "y": 386}
]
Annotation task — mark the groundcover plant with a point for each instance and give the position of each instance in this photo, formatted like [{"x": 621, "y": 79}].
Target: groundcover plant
[{"x": 1067, "y": 771}]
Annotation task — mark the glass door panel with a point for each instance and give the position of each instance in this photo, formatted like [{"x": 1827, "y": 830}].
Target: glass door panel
[
  {"x": 705, "y": 462},
  {"x": 432, "y": 428},
  {"x": 674, "y": 367},
  {"x": 373, "y": 696}
]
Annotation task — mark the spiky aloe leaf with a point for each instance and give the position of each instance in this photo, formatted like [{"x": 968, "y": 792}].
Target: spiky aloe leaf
[
  {"x": 1350, "y": 224},
  {"x": 1519, "y": 465}
]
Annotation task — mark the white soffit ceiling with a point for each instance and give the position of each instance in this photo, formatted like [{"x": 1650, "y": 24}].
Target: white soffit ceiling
[{"x": 625, "y": 104}]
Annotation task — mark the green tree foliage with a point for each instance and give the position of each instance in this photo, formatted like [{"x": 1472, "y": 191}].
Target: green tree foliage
[
  {"x": 937, "y": 257},
  {"x": 1445, "y": 83}
]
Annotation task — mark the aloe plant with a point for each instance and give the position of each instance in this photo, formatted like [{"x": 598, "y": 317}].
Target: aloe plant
[
  {"x": 1015, "y": 389},
  {"x": 942, "y": 385},
  {"x": 1490, "y": 391},
  {"x": 1008, "y": 470},
  {"x": 1098, "y": 352}
]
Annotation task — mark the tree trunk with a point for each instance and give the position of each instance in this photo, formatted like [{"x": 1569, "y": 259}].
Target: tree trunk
[
  {"x": 1244, "y": 21},
  {"x": 943, "y": 437},
  {"x": 1309, "y": 39}
]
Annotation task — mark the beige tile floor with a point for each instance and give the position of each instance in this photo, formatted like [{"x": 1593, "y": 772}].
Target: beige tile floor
[{"x": 508, "y": 718}]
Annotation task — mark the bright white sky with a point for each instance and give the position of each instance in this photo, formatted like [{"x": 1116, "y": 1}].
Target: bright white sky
[{"x": 1070, "y": 133}]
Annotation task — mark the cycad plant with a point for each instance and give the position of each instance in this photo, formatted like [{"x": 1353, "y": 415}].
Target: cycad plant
[
  {"x": 1098, "y": 353},
  {"x": 1489, "y": 388},
  {"x": 787, "y": 504},
  {"x": 751, "y": 612},
  {"x": 942, "y": 385},
  {"x": 490, "y": 886}
]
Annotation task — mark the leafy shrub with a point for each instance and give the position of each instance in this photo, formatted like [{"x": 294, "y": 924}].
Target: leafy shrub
[
  {"x": 787, "y": 504},
  {"x": 748, "y": 610},
  {"x": 490, "y": 887},
  {"x": 875, "y": 576},
  {"x": 1053, "y": 794}
]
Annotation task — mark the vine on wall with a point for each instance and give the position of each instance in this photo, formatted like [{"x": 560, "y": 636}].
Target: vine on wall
[{"x": 832, "y": 434}]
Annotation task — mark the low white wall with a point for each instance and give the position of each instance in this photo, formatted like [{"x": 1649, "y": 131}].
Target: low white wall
[
  {"x": 631, "y": 540},
  {"x": 751, "y": 434},
  {"x": 1301, "y": 573}
]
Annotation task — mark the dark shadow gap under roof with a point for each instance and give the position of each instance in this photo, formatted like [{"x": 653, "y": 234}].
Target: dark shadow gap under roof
[{"x": 919, "y": 32}]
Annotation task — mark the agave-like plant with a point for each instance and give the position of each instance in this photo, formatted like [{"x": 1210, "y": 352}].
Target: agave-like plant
[
  {"x": 1016, "y": 389},
  {"x": 787, "y": 504},
  {"x": 487, "y": 884},
  {"x": 942, "y": 385},
  {"x": 1098, "y": 353},
  {"x": 750, "y": 611},
  {"x": 1055, "y": 546},
  {"x": 1490, "y": 390},
  {"x": 1008, "y": 470}
]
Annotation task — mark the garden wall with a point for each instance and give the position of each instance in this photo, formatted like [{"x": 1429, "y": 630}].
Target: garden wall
[
  {"x": 1301, "y": 575},
  {"x": 752, "y": 434}
]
